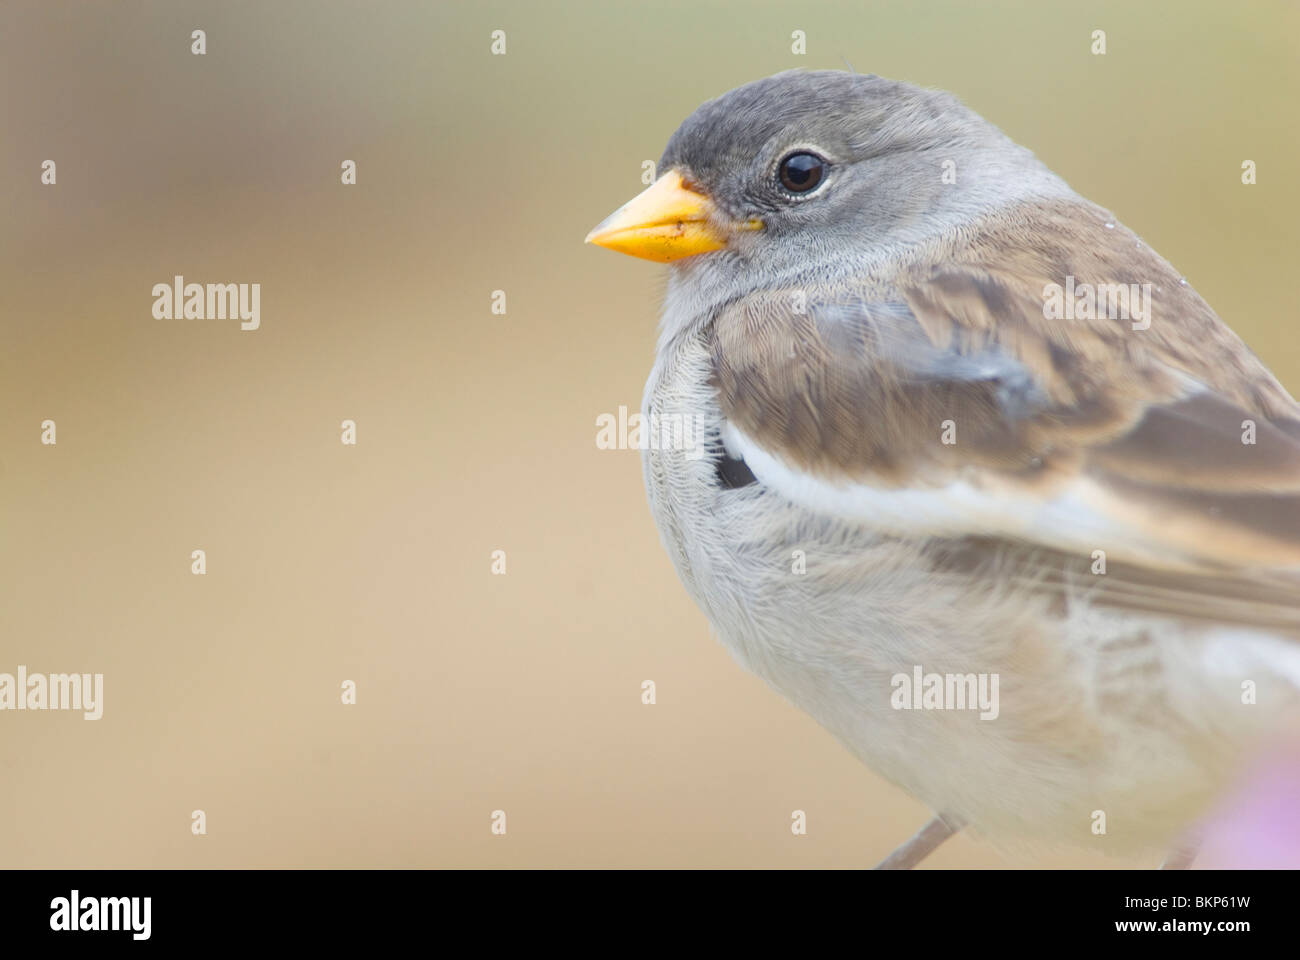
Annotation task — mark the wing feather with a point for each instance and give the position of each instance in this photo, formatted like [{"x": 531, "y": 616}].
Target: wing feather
[{"x": 947, "y": 401}]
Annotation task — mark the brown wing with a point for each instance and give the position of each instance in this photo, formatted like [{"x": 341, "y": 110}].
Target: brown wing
[{"x": 1173, "y": 429}]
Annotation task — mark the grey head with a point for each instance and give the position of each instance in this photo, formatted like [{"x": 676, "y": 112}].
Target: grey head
[{"x": 889, "y": 164}]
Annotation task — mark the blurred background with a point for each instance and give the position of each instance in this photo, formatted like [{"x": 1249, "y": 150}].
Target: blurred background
[{"x": 475, "y": 431}]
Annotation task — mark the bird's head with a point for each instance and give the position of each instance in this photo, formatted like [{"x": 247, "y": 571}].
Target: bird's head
[{"x": 813, "y": 171}]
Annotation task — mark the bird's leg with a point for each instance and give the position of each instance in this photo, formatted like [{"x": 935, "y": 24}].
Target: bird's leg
[
  {"x": 922, "y": 845},
  {"x": 1182, "y": 855}
]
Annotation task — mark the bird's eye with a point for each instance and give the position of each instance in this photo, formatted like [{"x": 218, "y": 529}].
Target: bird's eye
[{"x": 800, "y": 172}]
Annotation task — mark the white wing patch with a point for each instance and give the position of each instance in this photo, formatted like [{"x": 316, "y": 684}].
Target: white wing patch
[{"x": 1076, "y": 518}]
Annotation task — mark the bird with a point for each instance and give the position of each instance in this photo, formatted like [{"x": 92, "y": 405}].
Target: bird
[{"x": 968, "y": 438}]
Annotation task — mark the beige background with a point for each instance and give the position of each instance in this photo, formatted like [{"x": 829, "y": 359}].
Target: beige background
[{"x": 476, "y": 432}]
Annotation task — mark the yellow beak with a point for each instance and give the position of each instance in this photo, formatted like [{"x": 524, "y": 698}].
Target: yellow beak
[{"x": 667, "y": 221}]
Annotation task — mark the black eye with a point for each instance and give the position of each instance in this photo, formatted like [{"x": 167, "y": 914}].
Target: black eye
[{"x": 800, "y": 172}]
